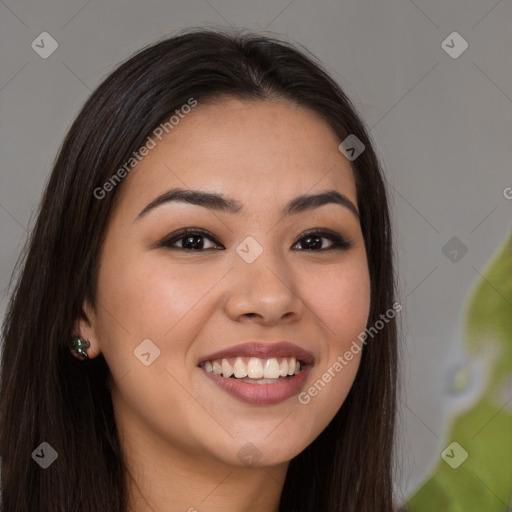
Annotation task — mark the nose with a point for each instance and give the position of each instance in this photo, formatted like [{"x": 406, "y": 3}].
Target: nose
[{"x": 264, "y": 291}]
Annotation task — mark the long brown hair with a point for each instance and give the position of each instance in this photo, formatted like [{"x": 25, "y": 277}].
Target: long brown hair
[{"x": 48, "y": 396}]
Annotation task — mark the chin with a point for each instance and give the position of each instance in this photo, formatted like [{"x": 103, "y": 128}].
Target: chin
[{"x": 264, "y": 452}]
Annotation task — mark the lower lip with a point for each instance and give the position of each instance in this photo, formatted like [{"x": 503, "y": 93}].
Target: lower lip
[{"x": 261, "y": 394}]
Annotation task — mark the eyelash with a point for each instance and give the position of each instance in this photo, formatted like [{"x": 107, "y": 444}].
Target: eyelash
[{"x": 339, "y": 242}]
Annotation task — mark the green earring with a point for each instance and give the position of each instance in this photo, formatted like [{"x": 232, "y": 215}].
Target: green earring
[{"x": 79, "y": 347}]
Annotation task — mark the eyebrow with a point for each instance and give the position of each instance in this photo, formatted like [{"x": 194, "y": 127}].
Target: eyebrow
[{"x": 222, "y": 203}]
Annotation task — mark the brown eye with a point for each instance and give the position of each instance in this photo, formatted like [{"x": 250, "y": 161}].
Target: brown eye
[
  {"x": 193, "y": 239},
  {"x": 312, "y": 241},
  {"x": 190, "y": 239}
]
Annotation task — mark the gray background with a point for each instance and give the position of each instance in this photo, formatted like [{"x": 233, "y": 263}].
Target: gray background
[{"x": 441, "y": 126}]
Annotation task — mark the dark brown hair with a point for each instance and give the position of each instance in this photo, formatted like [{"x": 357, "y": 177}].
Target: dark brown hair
[{"x": 46, "y": 395}]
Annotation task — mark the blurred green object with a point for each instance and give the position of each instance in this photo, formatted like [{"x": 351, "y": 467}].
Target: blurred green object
[{"x": 474, "y": 472}]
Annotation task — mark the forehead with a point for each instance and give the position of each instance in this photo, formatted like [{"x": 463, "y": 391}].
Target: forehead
[{"x": 250, "y": 150}]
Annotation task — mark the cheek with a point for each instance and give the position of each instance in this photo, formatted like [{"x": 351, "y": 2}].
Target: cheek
[
  {"x": 143, "y": 299},
  {"x": 152, "y": 298},
  {"x": 341, "y": 299}
]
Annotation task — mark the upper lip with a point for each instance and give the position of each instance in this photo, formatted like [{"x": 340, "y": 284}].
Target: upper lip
[{"x": 262, "y": 350}]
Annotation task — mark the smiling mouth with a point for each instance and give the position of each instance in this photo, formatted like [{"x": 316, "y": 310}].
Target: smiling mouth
[{"x": 254, "y": 370}]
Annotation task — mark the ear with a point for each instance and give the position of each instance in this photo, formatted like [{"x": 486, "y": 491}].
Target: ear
[{"x": 85, "y": 326}]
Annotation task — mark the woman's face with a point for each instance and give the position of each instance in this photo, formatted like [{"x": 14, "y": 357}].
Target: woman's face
[{"x": 168, "y": 302}]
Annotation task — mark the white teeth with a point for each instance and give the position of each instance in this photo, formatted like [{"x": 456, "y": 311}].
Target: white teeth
[
  {"x": 261, "y": 370},
  {"x": 291, "y": 366},
  {"x": 271, "y": 370},
  {"x": 260, "y": 381},
  {"x": 254, "y": 368},
  {"x": 227, "y": 369},
  {"x": 283, "y": 367},
  {"x": 240, "y": 368}
]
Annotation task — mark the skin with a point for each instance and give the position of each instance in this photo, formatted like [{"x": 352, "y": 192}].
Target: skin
[{"x": 179, "y": 432}]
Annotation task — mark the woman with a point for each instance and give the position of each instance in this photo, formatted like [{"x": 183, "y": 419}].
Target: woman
[{"x": 205, "y": 318}]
